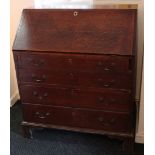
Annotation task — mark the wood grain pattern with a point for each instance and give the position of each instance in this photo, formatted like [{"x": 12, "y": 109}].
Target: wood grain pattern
[
  {"x": 118, "y": 135},
  {"x": 74, "y": 62},
  {"x": 101, "y": 99},
  {"x": 61, "y": 31},
  {"x": 73, "y": 78},
  {"x": 78, "y": 118}
]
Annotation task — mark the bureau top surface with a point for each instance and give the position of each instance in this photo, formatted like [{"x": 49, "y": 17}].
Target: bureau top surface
[{"x": 102, "y": 31}]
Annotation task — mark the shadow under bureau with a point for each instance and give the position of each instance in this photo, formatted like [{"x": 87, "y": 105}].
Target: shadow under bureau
[{"x": 76, "y": 70}]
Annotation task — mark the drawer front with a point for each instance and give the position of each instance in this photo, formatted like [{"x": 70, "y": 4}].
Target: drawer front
[
  {"x": 77, "y": 62},
  {"x": 75, "y": 97},
  {"x": 91, "y": 119},
  {"x": 91, "y": 31},
  {"x": 75, "y": 78}
]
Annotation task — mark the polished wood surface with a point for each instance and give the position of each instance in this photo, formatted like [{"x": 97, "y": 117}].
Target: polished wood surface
[
  {"x": 62, "y": 31},
  {"x": 74, "y": 62},
  {"x": 104, "y": 80},
  {"x": 76, "y": 70},
  {"x": 114, "y": 100},
  {"x": 82, "y": 118}
]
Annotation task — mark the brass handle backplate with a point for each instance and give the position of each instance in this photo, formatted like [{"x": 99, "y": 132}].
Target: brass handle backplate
[
  {"x": 38, "y": 79},
  {"x": 42, "y": 116}
]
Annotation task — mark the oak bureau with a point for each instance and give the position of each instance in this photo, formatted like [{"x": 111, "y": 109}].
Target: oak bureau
[{"x": 76, "y": 70}]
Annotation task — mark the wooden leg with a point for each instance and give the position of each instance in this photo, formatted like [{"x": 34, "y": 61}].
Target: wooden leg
[
  {"x": 128, "y": 145},
  {"x": 27, "y": 132}
]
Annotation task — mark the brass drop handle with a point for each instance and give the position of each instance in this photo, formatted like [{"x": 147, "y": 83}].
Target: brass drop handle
[
  {"x": 36, "y": 63},
  {"x": 39, "y": 115},
  {"x": 109, "y": 84},
  {"x": 35, "y": 93},
  {"x": 108, "y": 68},
  {"x": 101, "y": 119},
  {"x": 39, "y": 63},
  {"x": 38, "y": 80},
  {"x": 35, "y": 78},
  {"x": 106, "y": 84},
  {"x": 42, "y": 116},
  {"x": 102, "y": 100},
  {"x": 75, "y": 13},
  {"x": 44, "y": 95},
  {"x": 105, "y": 122}
]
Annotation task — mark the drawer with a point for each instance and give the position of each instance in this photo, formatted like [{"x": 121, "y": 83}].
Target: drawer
[
  {"x": 104, "y": 99},
  {"x": 104, "y": 80},
  {"x": 76, "y": 62},
  {"x": 91, "y": 119}
]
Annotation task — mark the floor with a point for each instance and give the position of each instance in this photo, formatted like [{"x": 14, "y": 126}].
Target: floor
[{"x": 59, "y": 142}]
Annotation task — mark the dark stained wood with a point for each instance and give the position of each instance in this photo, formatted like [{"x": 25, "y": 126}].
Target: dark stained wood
[
  {"x": 128, "y": 145},
  {"x": 117, "y": 135},
  {"x": 61, "y": 31},
  {"x": 61, "y": 61},
  {"x": 104, "y": 99},
  {"x": 76, "y": 70},
  {"x": 27, "y": 132},
  {"x": 105, "y": 80},
  {"x": 94, "y": 119}
]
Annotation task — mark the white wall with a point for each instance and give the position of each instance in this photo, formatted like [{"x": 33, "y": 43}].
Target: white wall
[
  {"x": 15, "y": 14},
  {"x": 140, "y": 123}
]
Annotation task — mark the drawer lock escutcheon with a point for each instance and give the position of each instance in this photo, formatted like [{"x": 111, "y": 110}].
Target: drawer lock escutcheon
[{"x": 75, "y": 13}]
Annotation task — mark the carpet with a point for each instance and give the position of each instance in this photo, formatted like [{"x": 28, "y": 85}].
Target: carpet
[{"x": 60, "y": 142}]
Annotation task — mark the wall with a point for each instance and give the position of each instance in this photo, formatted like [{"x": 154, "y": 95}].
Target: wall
[
  {"x": 140, "y": 125},
  {"x": 18, "y": 5}
]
